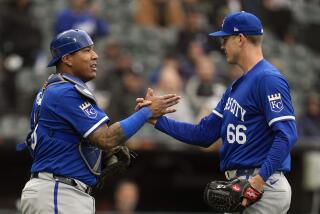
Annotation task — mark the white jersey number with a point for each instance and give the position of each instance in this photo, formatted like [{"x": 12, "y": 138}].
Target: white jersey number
[
  {"x": 34, "y": 138},
  {"x": 236, "y": 133}
]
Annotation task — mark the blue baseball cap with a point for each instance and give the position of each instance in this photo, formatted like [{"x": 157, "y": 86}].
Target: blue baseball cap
[{"x": 240, "y": 22}]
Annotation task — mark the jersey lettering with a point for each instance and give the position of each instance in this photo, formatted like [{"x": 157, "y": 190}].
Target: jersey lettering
[{"x": 235, "y": 108}]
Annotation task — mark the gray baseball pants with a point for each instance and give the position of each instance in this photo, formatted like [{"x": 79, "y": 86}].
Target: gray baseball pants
[
  {"x": 276, "y": 198},
  {"x": 44, "y": 195}
]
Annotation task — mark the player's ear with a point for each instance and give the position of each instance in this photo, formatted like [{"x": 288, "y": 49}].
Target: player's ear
[
  {"x": 241, "y": 38},
  {"x": 67, "y": 60}
]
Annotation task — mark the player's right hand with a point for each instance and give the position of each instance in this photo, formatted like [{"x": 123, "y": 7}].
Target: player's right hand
[{"x": 159, "y": 105}]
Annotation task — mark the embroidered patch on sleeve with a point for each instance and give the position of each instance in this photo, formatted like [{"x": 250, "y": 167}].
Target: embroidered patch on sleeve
[
  {"x": 88, "y": 109},
  {"x": 275, "y": 102}
]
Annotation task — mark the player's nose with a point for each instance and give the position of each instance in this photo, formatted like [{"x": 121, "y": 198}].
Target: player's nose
[{"x": 94, "y": 55}]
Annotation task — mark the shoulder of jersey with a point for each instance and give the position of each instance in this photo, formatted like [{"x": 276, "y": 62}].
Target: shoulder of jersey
[
  {"x": 61, "y": 88},
  {"x": 269, "y": 69}
]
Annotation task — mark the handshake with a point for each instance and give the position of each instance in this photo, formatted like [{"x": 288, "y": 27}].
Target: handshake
[{"x": 159, "y": 105}]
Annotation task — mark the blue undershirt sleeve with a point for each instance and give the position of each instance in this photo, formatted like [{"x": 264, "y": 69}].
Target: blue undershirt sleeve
[
  {"x": 202, "y": 134},
  {"x": 133, "y": 123},
  {"x": 285, "y": 137}
]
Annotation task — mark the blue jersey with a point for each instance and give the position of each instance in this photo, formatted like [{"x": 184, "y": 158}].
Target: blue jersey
[
  {"x": 65, "y": 117},
  {"x": 249, "y": 107}
]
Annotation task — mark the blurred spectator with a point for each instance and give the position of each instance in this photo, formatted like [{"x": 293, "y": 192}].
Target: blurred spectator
[
  {"x": 170, "y": 60},
  {"x": 126, "y": 197},
  {"x": 277, "y": 16},
  {"x": 124, "y": 94},
  {"x": 195, "y": 51},
  {"x": 203, "y": 89},
  {"x": 110, "y": 68},
  {"x": 20, "y": 33},
  {"x": 82, "y": 14},
  {"x": 170, "y": 82},
  {"x": 2, "y": 95},
  {"x": 20, "y": 44},
  {"x": 309, "y": 122},
  {"x": 218, "y": 10},
  {"x": 194, "y": 30},
  {"x": 160, "y": 13},
  {"x": 112, "y": 59}
]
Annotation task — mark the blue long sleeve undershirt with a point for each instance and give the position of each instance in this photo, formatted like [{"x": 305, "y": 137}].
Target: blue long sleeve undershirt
[
  {"x": 203, "y": 134},
  {"x": 285, "y": 137},
  {"x": 134, "y": 122}
]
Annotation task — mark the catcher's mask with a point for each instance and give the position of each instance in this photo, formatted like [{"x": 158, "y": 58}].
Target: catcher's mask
[{"x": 68, "y": 42}]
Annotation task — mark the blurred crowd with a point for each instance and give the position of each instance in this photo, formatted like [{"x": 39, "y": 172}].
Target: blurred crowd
[{"x": 162, "y": 44}]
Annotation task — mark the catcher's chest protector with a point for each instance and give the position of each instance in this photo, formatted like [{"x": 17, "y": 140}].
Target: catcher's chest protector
[{"x": 90, "y": 153}]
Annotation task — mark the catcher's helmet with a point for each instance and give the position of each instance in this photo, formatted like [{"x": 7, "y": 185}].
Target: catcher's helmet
[{"x": 68, "y": 42}]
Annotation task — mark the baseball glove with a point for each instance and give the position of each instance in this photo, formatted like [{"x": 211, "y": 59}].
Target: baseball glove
[
  {"x": 115, "y": 162},
  {"x": 226, "y": 196}
]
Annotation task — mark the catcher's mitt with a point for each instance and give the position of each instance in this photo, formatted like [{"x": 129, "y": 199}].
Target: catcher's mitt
[
  {"x": 115, "y": 162},
  {"x": 226, "y": 196}
]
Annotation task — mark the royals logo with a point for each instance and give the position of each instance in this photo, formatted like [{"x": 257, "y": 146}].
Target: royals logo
[
  {"x": 88, "y": 109},
  {"x": 275, "y": 102}
]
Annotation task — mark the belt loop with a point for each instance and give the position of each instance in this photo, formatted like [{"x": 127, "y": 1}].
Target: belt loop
[
  {"x": 34, "y": 175},
  {"x": 227, "y": 175},
  {"x": 88, "y": 190},
  {"x": 230, "y": 174}
]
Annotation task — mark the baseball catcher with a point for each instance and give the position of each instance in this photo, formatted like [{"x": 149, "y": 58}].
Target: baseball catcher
[
  {"x": 70, "y": 133},
  {"x": 227, "y": 196}
]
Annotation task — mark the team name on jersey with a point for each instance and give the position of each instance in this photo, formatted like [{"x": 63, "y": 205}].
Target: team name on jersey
[{"x": 235, "y": 108}]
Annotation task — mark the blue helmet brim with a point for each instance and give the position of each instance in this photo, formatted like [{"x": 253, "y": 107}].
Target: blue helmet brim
[{"x": 53, "y": 62}]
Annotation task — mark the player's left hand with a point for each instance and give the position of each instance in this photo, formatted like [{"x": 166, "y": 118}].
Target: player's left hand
[
  {"x": 256, "y": 182},
  {"x": 141, "y": 102}
]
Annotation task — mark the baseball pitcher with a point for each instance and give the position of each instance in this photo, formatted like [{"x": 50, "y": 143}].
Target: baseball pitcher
[{"x": 256, "y": 122}]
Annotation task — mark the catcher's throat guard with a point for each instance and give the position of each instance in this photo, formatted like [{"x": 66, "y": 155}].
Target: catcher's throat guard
[{"x": 227, "y": 196}]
